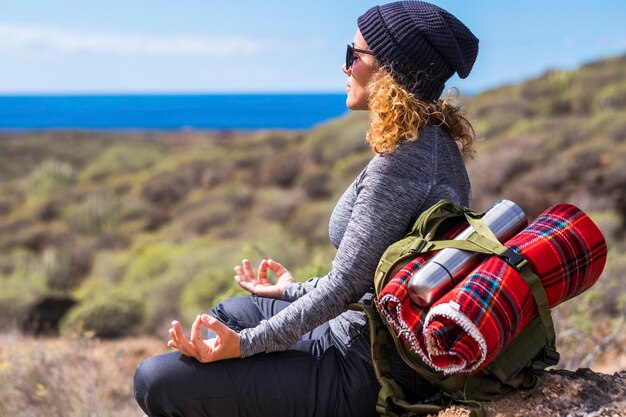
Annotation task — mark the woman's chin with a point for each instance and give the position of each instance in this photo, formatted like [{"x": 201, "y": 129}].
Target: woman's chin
[{"x": 354, "y": 105}]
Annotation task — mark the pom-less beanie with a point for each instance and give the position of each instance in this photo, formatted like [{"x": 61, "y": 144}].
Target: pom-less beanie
[{"x": 422, "y": 44}]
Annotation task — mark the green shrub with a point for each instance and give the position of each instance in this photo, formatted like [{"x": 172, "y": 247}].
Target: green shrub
[
  {"x": 274, "y": 241},
  {"x": 318, "y": 267},
  {"x": 57, "y": 264},
  {"x": 106, "y": 315},
  {"x": 337, "y": 139},
  {"x": 49, "y": 176},
  {"x": 100, "y": 212},
  {"x": 65, "y": 267},
  {"x": 202, "y": 293},
  {"x": 15, "y": 300},
  {"x": 28, "y": 271},
  {"x": 165, "y": 289},
  {"x": 147, "y": 261},
  {"x": 120, "y": 158}
]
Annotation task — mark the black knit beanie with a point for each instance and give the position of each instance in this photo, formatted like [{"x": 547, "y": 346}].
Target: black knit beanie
[{"x": 422, "y": 44}]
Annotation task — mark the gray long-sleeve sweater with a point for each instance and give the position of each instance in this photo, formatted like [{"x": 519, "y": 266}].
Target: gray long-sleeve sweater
[{"x": 375, "y": 211}]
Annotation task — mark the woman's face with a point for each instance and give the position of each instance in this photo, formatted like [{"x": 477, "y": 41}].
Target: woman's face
[{"x": 359, "y": 75}]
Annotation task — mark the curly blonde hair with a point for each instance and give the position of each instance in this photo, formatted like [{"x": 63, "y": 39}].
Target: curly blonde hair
[{"x": 398, "y": 116}]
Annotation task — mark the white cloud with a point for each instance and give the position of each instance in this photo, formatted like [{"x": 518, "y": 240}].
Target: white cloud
[
  {"x": 30, "y": 40},
  {"x": 613, "y": 41}
]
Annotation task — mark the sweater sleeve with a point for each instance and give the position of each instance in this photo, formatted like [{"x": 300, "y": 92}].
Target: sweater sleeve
[
  {"x": 298, "y": 289},
  {"x": 388, "y": 197}
]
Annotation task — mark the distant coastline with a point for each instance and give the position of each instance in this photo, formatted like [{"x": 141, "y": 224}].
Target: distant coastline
[{"x": 251, "y": 111}]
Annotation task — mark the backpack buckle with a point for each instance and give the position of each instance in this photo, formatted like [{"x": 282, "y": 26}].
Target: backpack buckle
[
  {"x": 420, "y": 247},
  {"x": 514, "y": 259},
  {"x": 551, "y": 356}
]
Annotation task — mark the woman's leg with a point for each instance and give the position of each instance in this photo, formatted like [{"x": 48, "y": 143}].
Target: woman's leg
[
  {"x": 240, "y": 313},
  {"x": 312, "y": 379},
  {"x": 291, "y": 383}
]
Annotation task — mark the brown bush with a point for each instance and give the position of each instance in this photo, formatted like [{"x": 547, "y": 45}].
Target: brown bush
[
  {"x": 617, "y": 132},
  {"x": 112, "y": 240},
  {"x": 169, "y": 188},
  {"x": 122, "y": 189},
  {"x": 317, "y": 184},
  {"x": 166, "y": 189},
  {"x": 583, "y": 160},
  {"x": 279, "y": 206},
  {"x": 49, "y": 210},
  {"x": 5, "y": 207},
  {"x": 310, "y": 223},
  {"x": 38, "y": 238},
  {"x": 201, "y": 223},
  {"x": 215, "y": 174},
  {"x": 283, "y": 168},
  {"x": 241, "y": 198},
  {"x": 156, "y": 218},
  {"x": 494, "y": 168}
]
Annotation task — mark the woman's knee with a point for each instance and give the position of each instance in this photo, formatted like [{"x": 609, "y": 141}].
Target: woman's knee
[
  {"x": 152, "y": 383},
  {"x": 238, "y": 313}
]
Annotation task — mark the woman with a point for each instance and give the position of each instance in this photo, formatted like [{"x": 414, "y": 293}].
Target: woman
[{"x": 292, "y": 349}]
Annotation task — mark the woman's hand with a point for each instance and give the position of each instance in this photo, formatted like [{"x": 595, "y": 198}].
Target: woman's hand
[
  {"x": 224, "y": 346},
  {"x": 260, "y": 285}
]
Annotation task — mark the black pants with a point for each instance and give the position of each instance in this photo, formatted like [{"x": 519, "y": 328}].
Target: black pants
[{"x": 311, "y": 379}]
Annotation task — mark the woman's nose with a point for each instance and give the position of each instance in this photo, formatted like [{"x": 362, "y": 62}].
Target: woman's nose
[{"x": 345, "y": 71}]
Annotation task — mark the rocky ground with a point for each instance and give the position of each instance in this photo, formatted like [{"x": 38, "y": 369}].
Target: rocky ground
[{"x": 564, "y": 394}]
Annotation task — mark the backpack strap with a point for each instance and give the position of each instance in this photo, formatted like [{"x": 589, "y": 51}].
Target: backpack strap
[{"x": 391, "y": 399}]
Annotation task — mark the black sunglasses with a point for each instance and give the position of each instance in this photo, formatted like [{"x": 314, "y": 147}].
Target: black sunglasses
[{"x": 350, "y": 55}]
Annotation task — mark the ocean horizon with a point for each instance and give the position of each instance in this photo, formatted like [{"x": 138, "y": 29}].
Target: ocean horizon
[{"x": 241, "y": 111}]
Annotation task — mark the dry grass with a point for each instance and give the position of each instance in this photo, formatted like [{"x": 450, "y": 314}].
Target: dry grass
[
  {"x": 70, "y": 378},
  {"x": 92, "y": 378}
]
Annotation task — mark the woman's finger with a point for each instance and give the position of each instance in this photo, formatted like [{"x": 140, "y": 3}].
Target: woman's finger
[
  {"x": 184, "y": 345},
  {"x": 276, "y": 267},
  {"x": 247, "y": 269},
  {"x": 214, "y": 324},
  {"x": 197, "y": 341},
  {"x": 262, "y": 274},
  {"x": 172, "y": 334},
  {"x": 239, "y": 271}
]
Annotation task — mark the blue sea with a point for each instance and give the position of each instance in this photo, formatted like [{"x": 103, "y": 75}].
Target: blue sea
[{"x": 169, "y": 112}]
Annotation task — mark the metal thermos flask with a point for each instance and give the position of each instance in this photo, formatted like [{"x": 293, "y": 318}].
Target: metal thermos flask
[{"x": 438, "y": 275}]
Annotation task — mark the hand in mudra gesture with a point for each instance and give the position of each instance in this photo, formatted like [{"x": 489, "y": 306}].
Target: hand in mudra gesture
[
  {"x": 260, "y": 284},
  {"x": 225, "y": 344}
]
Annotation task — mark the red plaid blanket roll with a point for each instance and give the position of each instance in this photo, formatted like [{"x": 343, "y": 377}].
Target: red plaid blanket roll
[{"x": 469, "y": 326}]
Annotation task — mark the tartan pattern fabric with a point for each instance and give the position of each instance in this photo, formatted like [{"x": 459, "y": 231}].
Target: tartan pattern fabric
[
  {"x": 405, "y": 318},
  {"x": 470, "y": 325}
]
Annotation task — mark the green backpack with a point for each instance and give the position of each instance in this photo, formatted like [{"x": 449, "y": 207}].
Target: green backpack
[{"x": 520, "y": 365}]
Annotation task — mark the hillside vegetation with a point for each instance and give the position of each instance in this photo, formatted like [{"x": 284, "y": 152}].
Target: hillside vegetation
[{"x": 139, "y": 228}]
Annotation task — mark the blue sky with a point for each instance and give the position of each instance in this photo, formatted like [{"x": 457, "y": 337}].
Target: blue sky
[{"x": 202, "y": 46}]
